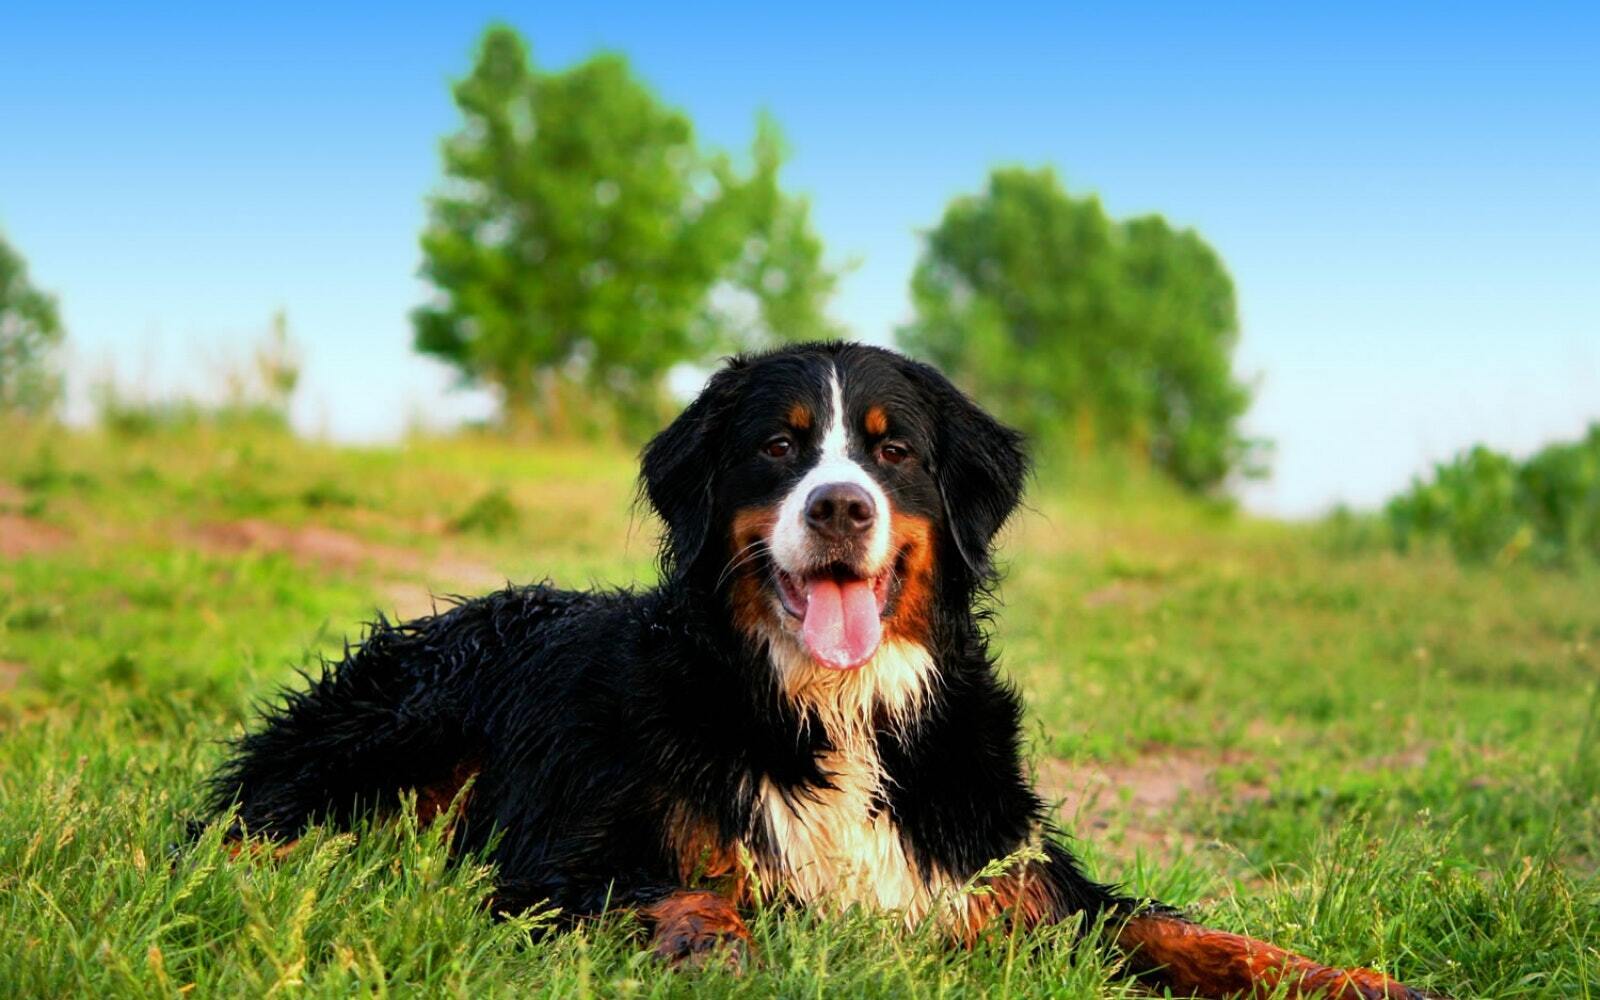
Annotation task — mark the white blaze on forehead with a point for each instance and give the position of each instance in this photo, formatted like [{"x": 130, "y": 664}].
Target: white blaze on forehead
[{"x": 791, "y": 540}]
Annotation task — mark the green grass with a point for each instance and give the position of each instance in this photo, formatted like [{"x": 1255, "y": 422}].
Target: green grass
[{"x": 1376, "y": 759}]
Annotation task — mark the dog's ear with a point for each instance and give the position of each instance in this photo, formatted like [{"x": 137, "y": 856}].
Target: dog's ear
[
  {"x": 979, "y": 464},
  {"x": 678, "y": 468}
]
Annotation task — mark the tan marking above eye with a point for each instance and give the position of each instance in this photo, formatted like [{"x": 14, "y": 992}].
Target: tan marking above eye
[
  {"x": 876, "y": 421},
  {"x": 800, "y": 417}
]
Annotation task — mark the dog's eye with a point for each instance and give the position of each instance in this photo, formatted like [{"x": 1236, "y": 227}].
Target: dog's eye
[
  {"x": 778, "y": 447},
  {"x": 893, "y": 452}
]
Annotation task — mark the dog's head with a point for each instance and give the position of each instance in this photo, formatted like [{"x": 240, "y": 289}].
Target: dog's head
[{"x": 834, "y": 495}]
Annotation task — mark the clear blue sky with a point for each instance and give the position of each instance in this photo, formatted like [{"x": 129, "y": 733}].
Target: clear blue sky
[{"x": 1409, "y": 200}]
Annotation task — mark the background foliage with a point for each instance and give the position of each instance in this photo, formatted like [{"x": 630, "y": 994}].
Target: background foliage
[
  {"x": 256, "y": 391},
  {"x": 30, "y": 331},
  {"x": 1489, "y": 507},
  {"x": 584, "y": 243},
  {"x": 1076, "y": 326}
]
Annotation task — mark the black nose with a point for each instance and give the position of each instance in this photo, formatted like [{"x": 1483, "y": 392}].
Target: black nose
[{"x": 839, "y": 510}]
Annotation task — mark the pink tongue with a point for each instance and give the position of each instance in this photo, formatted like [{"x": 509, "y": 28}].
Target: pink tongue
[{"x": 841, "y": 628}]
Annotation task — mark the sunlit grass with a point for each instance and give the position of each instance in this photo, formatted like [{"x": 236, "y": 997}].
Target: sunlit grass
[{"x": 1399, "y": 755}]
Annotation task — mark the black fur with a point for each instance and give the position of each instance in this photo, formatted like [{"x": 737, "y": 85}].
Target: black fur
[
  {"x": 596, "y": 720},
  {"x": 980, "y": 467}
]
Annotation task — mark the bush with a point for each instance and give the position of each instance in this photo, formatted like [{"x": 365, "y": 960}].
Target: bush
[
  {"x": 255, "y": 394},
  {"x": 1486, "y": 506},
  {"x": 494, "y": 513}
]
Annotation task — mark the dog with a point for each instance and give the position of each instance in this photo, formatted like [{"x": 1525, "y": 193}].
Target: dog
[{"x": 804, "y": 704}]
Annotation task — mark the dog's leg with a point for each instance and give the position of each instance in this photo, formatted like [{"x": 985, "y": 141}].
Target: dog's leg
[
  {"x": 687, "y": 926},
  {"x": 1165, "y": 949},
  {"x": 1209, "y": 963},
  {"x": 692, "y": 926}
]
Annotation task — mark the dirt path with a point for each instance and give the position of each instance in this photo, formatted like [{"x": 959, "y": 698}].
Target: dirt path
[
  {"x": 418, "y": 578},
  {"x": 21, "y": 535},
  {"x": 1138, "y": 799}
]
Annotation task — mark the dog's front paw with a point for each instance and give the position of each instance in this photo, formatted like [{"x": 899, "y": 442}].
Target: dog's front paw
[
  {"x": 698, "y": 930},
  {"x": 701, "y": 950}
]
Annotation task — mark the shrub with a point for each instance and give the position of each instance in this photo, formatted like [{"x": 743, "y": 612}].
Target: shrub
[
  {"x": 1486, "y": 506},
  {"x": 493, "y": 513},
  {"x": 254, "y": 394}
]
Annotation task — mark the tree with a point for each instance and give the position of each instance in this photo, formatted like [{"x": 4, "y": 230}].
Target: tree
[
  {"x": 30, "y": 331},
  {"x": 583, "y": 244},
  {"x": 1078, "y": 326}
]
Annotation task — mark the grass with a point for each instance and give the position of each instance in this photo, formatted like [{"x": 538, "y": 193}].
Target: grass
[{"x": 1380, "y": 760}]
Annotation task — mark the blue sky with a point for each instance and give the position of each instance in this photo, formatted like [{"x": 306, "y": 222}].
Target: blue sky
[{"x": 1409, "y": 200}]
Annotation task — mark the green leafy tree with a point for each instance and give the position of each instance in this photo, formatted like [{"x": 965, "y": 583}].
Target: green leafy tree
[
  {"x": 1082, "y": 328},
  {"x": 30, "y": 331},
  {"x": 583, "y": 243}
]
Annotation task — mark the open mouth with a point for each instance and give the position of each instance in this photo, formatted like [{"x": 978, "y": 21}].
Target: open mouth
[{"x": 840, "y": 613}]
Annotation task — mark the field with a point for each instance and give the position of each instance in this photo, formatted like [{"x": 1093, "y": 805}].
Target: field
[{"x": 1381, "y": 760}]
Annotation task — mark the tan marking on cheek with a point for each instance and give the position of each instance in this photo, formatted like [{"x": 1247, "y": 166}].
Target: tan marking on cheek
[
  {"x": 751, "y": 525},
  {"x": 748, "y": 594},
  {"x": 800, "y": 417},
  {"x": 911, "y": 539},
  {"x": 876, "y": 421}
]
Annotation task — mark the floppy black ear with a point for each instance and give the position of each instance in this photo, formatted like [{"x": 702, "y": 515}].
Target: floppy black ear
[
  {"x": 679, "y": 466},
  {"x": 979, "y": 463}
]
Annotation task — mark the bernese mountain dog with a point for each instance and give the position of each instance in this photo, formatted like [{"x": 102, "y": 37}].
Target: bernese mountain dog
[{"x": 805, "y": 702}]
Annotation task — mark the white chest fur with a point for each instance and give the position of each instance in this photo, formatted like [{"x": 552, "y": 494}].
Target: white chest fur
[{"x": 839, "y": 845}]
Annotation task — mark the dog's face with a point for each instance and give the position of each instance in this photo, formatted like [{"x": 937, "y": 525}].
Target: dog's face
[{"x": 827, "y": 492}]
